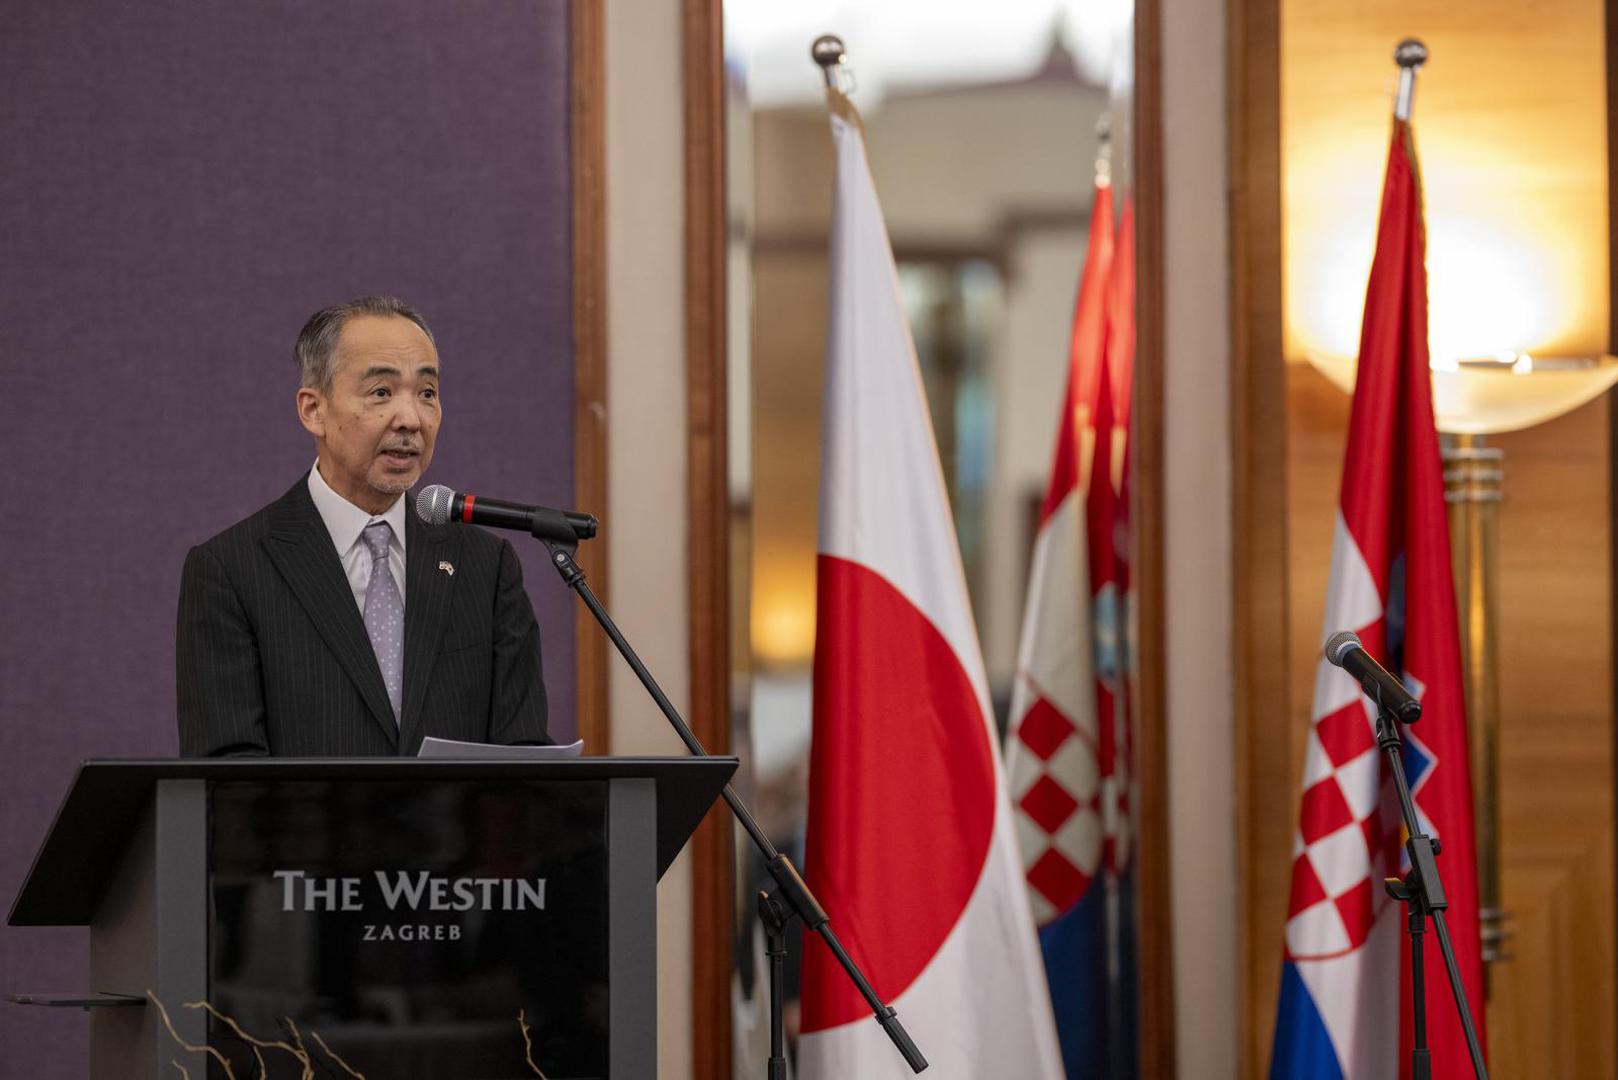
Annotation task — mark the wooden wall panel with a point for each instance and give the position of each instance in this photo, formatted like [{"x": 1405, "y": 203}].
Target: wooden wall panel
[
  {"x": 1317, "y": 428},
  {"x": 1551, "y": 1008}
]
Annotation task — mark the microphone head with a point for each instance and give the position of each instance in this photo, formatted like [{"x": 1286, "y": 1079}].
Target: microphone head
[
  {"x": 1338, "y": 644},
  {"x": 433, "y": 503}
]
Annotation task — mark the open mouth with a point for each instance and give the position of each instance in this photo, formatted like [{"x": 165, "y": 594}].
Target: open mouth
[{"x": 400, "y": 457}]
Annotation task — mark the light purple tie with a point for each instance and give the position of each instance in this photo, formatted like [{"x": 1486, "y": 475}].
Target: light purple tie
[{"x": 384, "y": 615}]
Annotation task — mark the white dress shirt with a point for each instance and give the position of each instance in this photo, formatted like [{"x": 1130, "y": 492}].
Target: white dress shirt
[{"x": 346, "y": 523}]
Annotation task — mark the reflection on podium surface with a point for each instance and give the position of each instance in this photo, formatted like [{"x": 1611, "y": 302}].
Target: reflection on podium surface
[{"x": 408, "y": 925}]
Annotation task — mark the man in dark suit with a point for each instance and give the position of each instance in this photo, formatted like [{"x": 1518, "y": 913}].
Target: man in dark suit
[{"x": 333, "y": 621}]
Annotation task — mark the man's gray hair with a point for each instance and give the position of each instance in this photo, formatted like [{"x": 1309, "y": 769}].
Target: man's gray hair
[{"x": 317, "y": 341}]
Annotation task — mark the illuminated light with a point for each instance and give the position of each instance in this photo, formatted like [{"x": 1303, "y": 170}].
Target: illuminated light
[
  {"x": 784, "y": 627},
  {"x": 1514, "y": 190},
  {"x": 1488, "y": 289},
  {"x": 1505, "y": 281}
]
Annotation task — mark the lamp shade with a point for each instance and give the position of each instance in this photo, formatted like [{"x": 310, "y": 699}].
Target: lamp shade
[{"x": 1487, "y": 397}]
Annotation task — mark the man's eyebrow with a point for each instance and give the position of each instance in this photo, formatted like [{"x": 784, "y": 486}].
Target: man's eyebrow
[
  {"x": 378, "y": 369},
  {"x": 428, "y": 370}
]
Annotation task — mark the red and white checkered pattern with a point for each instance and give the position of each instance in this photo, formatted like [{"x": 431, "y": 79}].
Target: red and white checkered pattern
[
  {"x": 1063, "y": 764},
  {"x": 1349, "y": 834},
  {"x": 1056, "y": 789},
  {"x": 1341, "y": 851},
  {"x": 1052, "y": 762}
]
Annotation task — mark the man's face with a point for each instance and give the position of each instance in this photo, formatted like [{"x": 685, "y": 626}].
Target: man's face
[{"x": 375, "y": 426}]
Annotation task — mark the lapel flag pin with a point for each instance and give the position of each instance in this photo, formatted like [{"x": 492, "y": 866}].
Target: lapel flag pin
[{"x": 448, "y": 568}]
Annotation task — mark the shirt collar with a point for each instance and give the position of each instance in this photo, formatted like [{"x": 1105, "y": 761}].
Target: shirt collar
[{"x": 345, "y": 521}]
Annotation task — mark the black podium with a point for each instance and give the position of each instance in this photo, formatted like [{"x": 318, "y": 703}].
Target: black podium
[{"x": 388, "y": 917}]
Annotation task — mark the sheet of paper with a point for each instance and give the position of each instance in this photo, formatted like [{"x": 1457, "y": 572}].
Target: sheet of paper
[{"x": 449, "y": 748}]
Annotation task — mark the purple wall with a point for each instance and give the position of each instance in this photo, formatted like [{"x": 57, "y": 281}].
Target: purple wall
[{"x": 181, "y": 184}]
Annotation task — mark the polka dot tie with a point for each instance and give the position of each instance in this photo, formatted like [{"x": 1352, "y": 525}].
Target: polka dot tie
[{"x": 384, "y": 615}]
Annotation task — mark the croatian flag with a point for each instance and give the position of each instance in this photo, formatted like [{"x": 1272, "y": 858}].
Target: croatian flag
[
  {"x": 1060, "y": 745},
  {"x": 910, "y": 839},
  {"x": 1345, "y": 997}
]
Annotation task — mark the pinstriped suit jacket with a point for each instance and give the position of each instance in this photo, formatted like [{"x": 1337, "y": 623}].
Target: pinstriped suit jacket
[{"x": 272, "y": 655}]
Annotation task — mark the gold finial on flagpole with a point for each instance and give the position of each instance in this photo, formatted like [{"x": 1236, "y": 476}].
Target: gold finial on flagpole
[{"x": 1409, "y": 54}]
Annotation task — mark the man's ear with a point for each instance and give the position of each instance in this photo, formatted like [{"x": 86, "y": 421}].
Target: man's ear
[{"x": 312, "y": 411}]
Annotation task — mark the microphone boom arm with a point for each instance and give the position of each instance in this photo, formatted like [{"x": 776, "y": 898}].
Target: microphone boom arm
[{"x": 789, "y": 882}]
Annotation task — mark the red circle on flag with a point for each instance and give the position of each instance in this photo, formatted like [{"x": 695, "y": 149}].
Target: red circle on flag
[{"x": 901, "y": 790}]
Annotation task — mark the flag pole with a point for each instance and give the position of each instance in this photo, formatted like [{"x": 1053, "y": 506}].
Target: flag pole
[
  {"x": 1409, "y": 54},
  {"x": 1421, "y": 890},
  {"x": 829, "y": 53},
  {"x": 1104, "y": 150}
]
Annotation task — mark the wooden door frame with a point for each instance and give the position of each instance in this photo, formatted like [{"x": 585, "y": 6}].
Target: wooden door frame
[
  {"x": 707, "y": 495},
  {"x": 1158, "y": 1056},
  {"x": 1258, "y": 390},
  {"x": 587, "y": 140},
  {"x": 708, "y": 521}
]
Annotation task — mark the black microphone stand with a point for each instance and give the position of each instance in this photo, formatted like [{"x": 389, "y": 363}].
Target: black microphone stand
[
  {"x": 775, "y": 917},
  {"x": 1422, "y": 891},
  {"x": 791, "y": 896}
]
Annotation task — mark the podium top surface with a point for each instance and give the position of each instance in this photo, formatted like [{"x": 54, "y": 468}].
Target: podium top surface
[{"x": 104, "y": 802}]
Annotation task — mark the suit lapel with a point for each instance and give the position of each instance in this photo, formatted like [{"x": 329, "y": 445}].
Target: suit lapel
[
  {"x": 427, "y": 594},
  {"x": 301, "y": 550}
]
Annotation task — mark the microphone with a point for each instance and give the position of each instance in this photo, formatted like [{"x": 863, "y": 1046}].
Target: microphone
[
  {"x": 1344, "y": 650},
  {"x": 437, "y": 504}
]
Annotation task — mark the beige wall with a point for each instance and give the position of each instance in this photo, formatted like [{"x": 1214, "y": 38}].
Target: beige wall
[
  {"x": 646, "y": 434},
  {"x": 1197, "y": 539}
]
